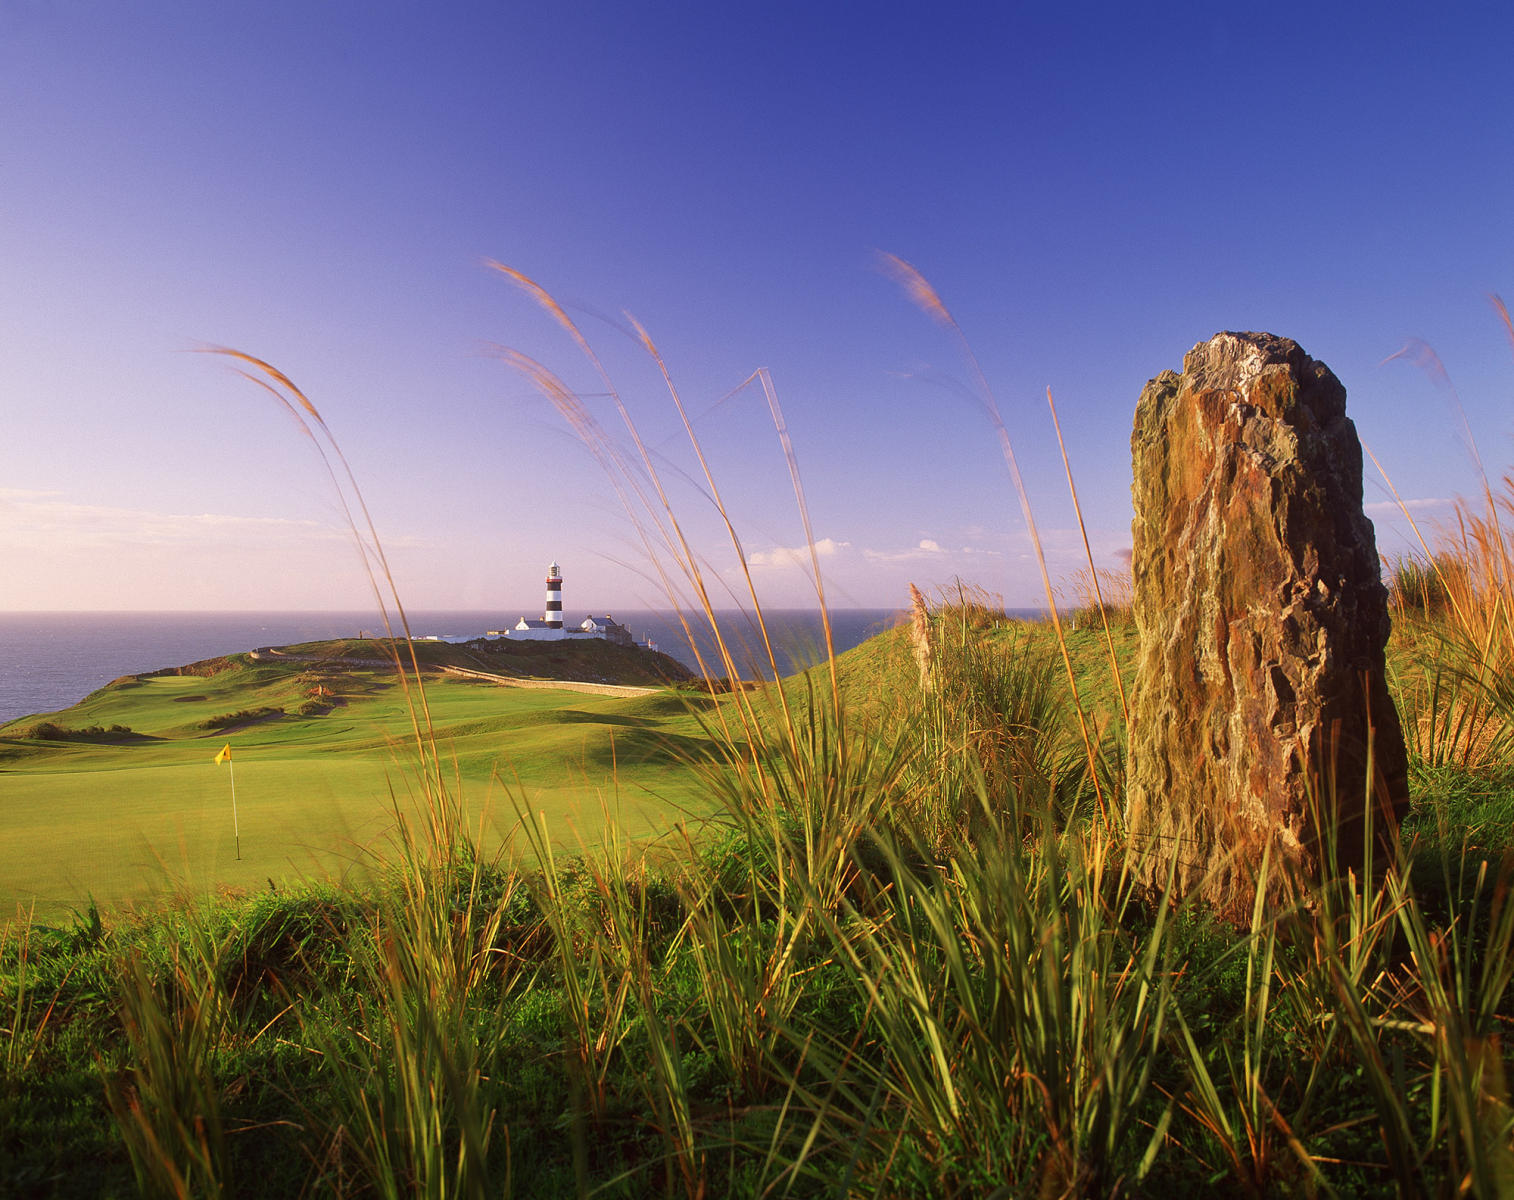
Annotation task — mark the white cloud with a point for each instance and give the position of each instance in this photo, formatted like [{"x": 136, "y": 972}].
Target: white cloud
[
  {"x": 878, "y": 575},
  {"x": 1391, "y": 508},
  {"x": 789, "y": 556},
  {"x": 44, "y": 520},
  {"x": 37, "y": 520},
  {"x": 926, "y": 550},
  {"x": 66, "y": 555}
]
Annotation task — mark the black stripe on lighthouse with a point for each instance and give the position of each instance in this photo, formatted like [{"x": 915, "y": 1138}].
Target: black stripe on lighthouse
[{"x": 553, "y": 614}]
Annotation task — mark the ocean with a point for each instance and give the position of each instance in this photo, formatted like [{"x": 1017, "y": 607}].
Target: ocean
[{"x": 49, "y": 661}]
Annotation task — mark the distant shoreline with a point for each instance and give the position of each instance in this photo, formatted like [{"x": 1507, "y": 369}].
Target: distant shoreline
[{"x": 51, "y": 660}]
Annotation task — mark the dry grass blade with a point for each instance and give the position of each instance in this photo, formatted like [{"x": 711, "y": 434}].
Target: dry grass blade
[
  {"x": 1423, "y": 355},
  {"x": 1093, "y": 573},
  {"x": 1430, "y": 557},
  {"x": 916, "y": 287},
  {"x": 24, "y": 1030},
  {"x": 635, "y": 504},
  {"x": 676, "y": 541},
  {"x": 671, "y": 530},
  {"x": 809, "y": 533},
  {"x": 925, "y": 296},
  {"x": 281, "y": 388},
  {"x": 720, "y": 507},
  {"x": 920, "y": 635}
]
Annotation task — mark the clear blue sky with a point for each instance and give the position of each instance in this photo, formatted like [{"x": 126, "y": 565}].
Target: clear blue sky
[{"x": 1091, "y": 188}]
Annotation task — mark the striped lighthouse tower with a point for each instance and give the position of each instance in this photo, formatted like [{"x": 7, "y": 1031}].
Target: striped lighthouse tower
[{"x": 553, "y": 615}]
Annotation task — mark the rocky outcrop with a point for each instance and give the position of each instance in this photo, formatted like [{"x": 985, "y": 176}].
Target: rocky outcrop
[{"x": 1260, "y": 714}]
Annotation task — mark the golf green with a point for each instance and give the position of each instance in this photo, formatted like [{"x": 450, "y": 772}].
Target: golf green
[{"x": 132, "y": 817}]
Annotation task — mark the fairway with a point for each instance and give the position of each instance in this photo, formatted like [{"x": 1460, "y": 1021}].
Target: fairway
[{"x": 130, "y": 818}]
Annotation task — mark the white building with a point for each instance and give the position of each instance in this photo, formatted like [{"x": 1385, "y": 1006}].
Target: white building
[
  {"x": 530, "y": 630},
  {"x": 550, "y": 627}
]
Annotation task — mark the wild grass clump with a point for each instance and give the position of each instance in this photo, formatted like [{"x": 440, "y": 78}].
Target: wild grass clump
[
  {"x": 1013, "y": 1019},
  {"x": 1097, "y": 596},
  {"x": 1450, "y": 606},
  {"x": 1418, "y": 587},
  {"x": 992, "y": 721},
  {"x": 167, "y": 1097},
  {"x": 1457, "y": 597}
]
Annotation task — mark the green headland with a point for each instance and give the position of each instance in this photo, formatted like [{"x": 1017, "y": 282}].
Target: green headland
[{"x": 118, "y": 798}]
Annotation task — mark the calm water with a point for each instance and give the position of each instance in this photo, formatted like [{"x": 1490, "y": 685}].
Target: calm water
[{"x": 49, "y": 661}]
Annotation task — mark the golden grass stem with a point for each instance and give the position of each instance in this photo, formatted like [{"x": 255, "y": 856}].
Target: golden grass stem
[
  {"x": 281, "y": 389},
  {"x": 584, "y": 423},
  {"x": 1114, "y": 666},
  {"x": 927, "y": 298},
  {"x": 1403, "y": 507},
  {"x": 809, "y": 533},
  {"x": 656, "y": 355}
]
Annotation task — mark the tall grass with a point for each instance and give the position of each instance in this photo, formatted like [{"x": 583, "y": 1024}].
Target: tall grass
[
  {"x": 908, "y": 957},
  {"x": 1460, "y": 592},
  {"x": 1454, "y": 694},
  {"x": 407, "y": 1099},
  {"x": 994, "y": 721},
  {"x": 168, "y": 1100},
  {"x": 929, "y": 302},
  {"x": 399, "y": 1039},
  {"x": 26, "y": 1013},
  {"x": 1014, "y": 1024}
]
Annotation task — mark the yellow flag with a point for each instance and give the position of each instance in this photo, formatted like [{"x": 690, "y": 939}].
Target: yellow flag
[{"x": 224, "y": 755}]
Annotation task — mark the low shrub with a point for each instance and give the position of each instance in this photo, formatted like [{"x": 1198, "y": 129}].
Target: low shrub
[
  {"x": 240, "y": 717},
  {"x": 51, "y": 731}
]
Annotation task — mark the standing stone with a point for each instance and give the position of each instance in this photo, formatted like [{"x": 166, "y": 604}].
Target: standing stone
[{"x": 1262, "y": 619}]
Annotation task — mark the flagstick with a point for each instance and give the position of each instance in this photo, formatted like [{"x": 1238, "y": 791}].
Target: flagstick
[{"x": 235, "y": 827}]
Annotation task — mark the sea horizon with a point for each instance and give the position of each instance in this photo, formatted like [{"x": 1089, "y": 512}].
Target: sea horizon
[{"x": 50, "y": 660}]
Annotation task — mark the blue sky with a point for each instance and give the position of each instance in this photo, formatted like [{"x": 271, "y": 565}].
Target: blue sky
[{"x": 1092, "y": 189}]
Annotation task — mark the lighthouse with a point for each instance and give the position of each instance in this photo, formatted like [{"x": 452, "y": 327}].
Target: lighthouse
[
  {"x": 550, "y": 627},
  {"x": 553, "y": 615}
]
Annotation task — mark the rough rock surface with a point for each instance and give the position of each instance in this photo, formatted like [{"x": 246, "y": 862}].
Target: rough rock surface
[{"x": 1262, "y": 620}]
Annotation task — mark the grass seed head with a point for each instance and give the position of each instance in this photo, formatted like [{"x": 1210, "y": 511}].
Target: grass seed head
[{"x": 919, "y": 633}]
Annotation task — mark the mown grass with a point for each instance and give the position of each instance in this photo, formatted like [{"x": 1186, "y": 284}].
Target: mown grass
[
  {"x": 907, "y": 956},
  {"x": 120, "y": 818}
]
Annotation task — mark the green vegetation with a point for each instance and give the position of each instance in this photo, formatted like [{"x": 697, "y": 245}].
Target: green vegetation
[
  {"x": 117, "y": 816},
  {"x": 904, "y": 955},
  {"x": 51, "y": 731},
  {"x": 243, "y": 716}
]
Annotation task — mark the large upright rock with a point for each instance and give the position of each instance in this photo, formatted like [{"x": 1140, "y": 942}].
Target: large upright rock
[{"x": 1262, "y": 619}]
